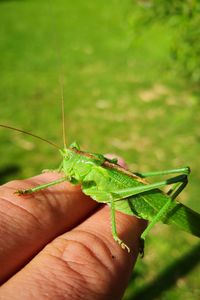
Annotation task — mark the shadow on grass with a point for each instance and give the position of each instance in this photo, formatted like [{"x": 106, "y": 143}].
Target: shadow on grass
[
  {"x": 169, "y": 276},
  {"x": 8, "y": 171}
]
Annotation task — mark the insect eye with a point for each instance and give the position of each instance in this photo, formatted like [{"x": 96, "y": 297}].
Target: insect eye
[
  {"x": 66, "y": 155},
  {"x": 75, "y": 146}
]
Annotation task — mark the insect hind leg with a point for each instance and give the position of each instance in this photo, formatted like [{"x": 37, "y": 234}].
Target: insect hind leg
[
  {"x": 173, "y": 193},
  {"x": 177, "y": 188},
  {"x": 184, "y": 170}
]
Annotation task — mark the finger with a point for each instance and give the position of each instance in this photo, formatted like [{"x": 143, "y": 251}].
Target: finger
[
  {"x": 85, "y": 263},
  {"x": 120, "y": 160},
  {"x": 29, "y": 222}
]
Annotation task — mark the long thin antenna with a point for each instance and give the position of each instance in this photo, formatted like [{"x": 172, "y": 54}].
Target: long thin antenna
[
  {"x": 63, "y": 110},
  {"x": 61, "y": 72},
  {"x": 31, "y": 134}
]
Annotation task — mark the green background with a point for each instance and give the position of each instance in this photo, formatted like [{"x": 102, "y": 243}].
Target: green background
[{"x": 122, "y": 95}]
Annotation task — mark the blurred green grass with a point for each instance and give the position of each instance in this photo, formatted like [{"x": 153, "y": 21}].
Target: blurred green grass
[{"x": 120, "y": 97}]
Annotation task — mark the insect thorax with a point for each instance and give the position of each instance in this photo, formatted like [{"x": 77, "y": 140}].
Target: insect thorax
[{"x": 77, "y": 165}]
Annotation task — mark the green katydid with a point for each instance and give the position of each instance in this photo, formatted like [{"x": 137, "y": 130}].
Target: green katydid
[{"x": 107, "y": 182}]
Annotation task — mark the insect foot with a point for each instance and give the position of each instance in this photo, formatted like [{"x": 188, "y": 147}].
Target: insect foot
[
  {"x": 122, "y": 244},
  {"x": 47, "y": 171},
  {"x": 22, "y": 192},
  {"x": 141, "y": 247},
  {"x": 51, "y": 171}
]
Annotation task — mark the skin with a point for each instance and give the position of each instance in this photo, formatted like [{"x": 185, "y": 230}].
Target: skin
[{"x": 57, "y": 244}]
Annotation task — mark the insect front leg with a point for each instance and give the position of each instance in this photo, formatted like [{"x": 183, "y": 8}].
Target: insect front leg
[
  {"x": 114, "y": 229},
  {"x": 41, "y": 187},
  {"x": 58, "y": 170}
]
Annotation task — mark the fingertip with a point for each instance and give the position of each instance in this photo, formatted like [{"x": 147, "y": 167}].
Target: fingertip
[
  {"x": 120, "y": 161},
  {"x": 30, "y": 221}
]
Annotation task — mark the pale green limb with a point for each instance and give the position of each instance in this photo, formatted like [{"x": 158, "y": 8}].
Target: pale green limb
[
  {"x": 114, "y": 228},
  {"x": 179, "y": 181},
  {"x": 173, "y": 188},
  {"x": 128, "y": 192},
  {"x": 174, "y": 192},
  {"x": 58, "y": 170},
  {"x": 177, "y": 188},
  {"x": 41, "y": 187},
  {"x": 60, "y": 167},
  {"x": 184, "y": 170}
]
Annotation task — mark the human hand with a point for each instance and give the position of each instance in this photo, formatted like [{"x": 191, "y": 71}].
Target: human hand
[{"x": 57, "y": 244}]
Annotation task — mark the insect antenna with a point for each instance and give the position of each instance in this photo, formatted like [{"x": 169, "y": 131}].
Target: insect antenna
[
  {"x": 63, "y": 110},
  {"x": 56, "y": 47},
  {"x": 31, "y": 134}
]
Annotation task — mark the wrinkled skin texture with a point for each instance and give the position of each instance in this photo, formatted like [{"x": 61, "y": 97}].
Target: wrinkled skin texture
[{"x": 57, "y": 244}]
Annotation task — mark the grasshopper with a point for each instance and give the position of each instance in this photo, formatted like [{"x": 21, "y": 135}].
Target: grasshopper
[{"x": 107, "y": 182}]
